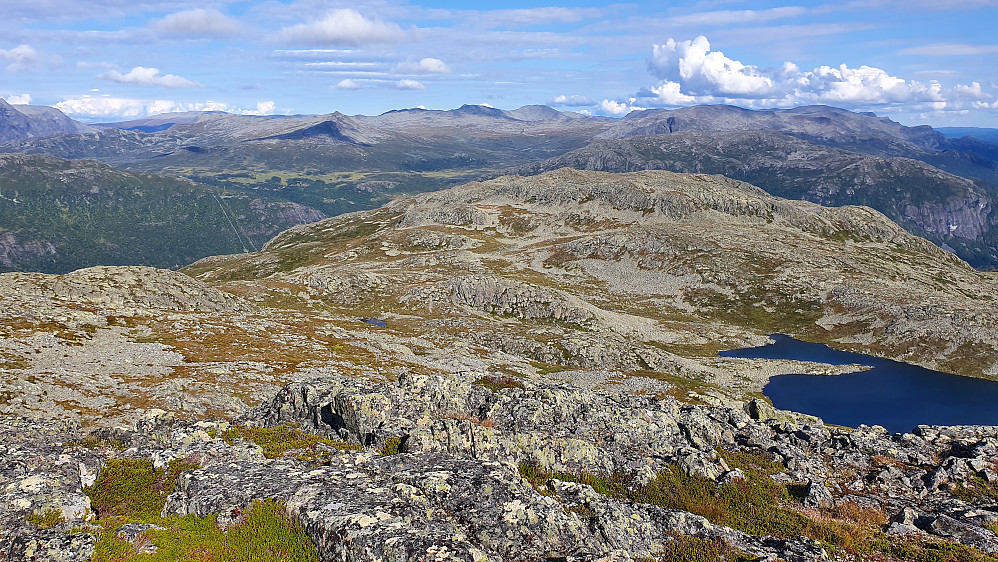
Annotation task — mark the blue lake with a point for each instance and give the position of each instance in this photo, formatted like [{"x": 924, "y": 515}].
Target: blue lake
[{"x": 895, "y": 395}]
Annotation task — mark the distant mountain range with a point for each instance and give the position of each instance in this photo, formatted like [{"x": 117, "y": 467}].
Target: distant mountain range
[
  {"x": 980, "y": 133},
  {"x": 936, "y": 185}
]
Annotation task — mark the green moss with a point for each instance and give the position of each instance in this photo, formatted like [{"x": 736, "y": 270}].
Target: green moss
[
  {"x": 918, "y": 551},
  {"x": 46, "y": 519},
  {"x": 264, "y": 534},
  {"x": 976, "y": 490},
  {"x": 495, "y": 383},
  {"x": 749, "y": 461},
  {"x": 686, "y": 548},
  {"x": 758, "y": 506},
  {"x": 613, "y": 485},
  {"x": 133, "y": 488},
  {"x": 278, "y": 441},
  {"x": 128, "y": 488},
  {"x": 393, "y": 446}
]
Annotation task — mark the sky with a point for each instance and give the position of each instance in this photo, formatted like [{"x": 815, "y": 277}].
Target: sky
[{"x": 915, "y": 61}]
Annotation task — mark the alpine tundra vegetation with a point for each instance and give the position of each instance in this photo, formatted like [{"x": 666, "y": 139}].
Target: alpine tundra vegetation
[
  {"x": 542, "y": 383},
  {"x": 421, "y": 281}
]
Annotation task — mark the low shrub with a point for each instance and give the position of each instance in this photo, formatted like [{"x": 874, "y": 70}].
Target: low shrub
[
  {"x": 264, "y": 534},
  {"x": 393, "y": 446},
  {"x": 495, "y": 383},
  {"x": 133, "y": 488},
  {"x": 46, "y": 519},
  {"x": 277, "y": 441},
  {"x": 686, "y": 548}
]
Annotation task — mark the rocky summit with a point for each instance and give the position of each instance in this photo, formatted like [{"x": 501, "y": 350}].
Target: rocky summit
[{"x": 517, "y": 369}]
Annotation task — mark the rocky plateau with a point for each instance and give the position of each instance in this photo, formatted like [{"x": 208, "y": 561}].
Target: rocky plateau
[{"x": 518, "y": 369}]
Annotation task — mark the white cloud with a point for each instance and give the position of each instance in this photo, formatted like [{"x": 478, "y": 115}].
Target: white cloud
[
  {"x": 691, "y": 73},
  {"x": 727, "y": 17},
  {"x": 619, "y": 108},
  {"x": 409, "y": 85},
  {"x": 18, "y": 99},
  {"x": 537, "y": 16},
  {"x": 102, "y": 107},
  {"x": 668, "y": 93},
  {"x": 424, "y": 66},
  {"x": 704, "y": 72},
  {"x": 161, "y": 106},
  {"x": 21, "y": 57},
  {"x": 339, "y": 65},
  {"x": 346, "y": 27},
  {"x": 863, "y": 85},
  {"x": 571, "y": 101},
  {"x": 198, "y": 23},
  {"x": 348, "y": 84},
  {"x": 951, "y": 50},
  {"x": 262, "y": 108},
  {"x": 108, "y": 107},
  {"x": 143, "y": 76}
]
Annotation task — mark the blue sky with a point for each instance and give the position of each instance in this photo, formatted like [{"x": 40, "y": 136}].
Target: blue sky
[{"x": 916, "y": 61}]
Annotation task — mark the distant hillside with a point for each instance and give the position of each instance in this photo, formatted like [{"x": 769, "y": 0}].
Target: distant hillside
[
  {"x": 980, "y": 133},
  {"x": 949, "y": 210},
  {"x": 58, "y": 215},
  {"x": 28, "y": 121},
  {"x": 938, "y": 187},
  {"x": 822, "y": 125}
]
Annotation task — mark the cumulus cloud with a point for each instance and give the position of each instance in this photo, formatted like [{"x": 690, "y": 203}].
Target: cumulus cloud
[
  {"x": 262, "y": 108},
  {"x": 142, "y": 76},
  {"x": 103, "y": 107},
  {"x": 18, "y": 99},
  {"x": 198, "y": 23},
  {"x": 668, "y": 93},
  {"x": 409, "y": 85},
  {"x": 619, "y": 108},
  {"x": 348, "y": 84},
  {"x": 702, "y": 71},
  {"x": 424, "y": 66},
  {"x": 108, "y": 107},
  {"x": 691, "y": 73},
  {"x": 21, "y": 57},
  {"x": 346, "y": 27}
]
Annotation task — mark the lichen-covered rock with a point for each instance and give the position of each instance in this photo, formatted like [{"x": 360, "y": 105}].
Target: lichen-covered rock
[{"x": 51, "y": 546}]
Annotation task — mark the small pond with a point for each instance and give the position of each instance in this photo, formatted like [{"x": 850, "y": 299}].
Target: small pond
[{"x": 895, "y": 395}]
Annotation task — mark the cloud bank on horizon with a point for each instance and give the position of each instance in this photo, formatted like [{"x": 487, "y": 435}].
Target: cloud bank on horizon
[{"x": 114, "y": 59}]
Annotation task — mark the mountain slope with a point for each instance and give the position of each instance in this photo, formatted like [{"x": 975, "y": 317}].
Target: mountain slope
[
  {"x": 630, "y": 282},
  {"x": 947, "y": 209},
  {"x": 623, "y": 271},
  {"x": 58, "y": 215},
  {"x": 824, "y": 126},
  {"x": 27, "y": 121}
]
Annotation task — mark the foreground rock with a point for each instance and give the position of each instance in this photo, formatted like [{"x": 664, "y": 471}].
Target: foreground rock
[{"x": 455, "y": 490}]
